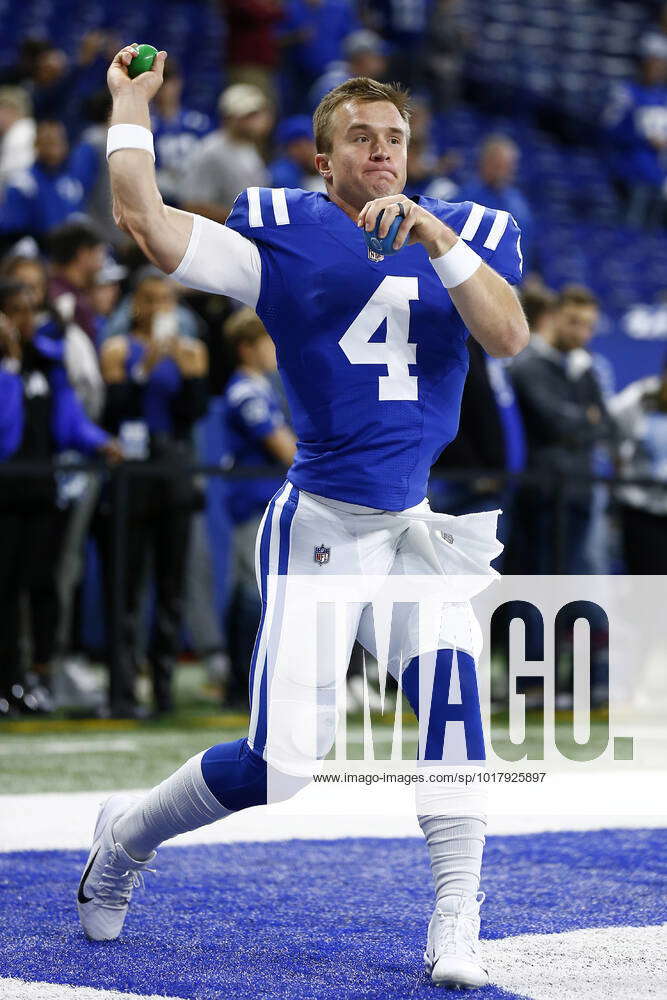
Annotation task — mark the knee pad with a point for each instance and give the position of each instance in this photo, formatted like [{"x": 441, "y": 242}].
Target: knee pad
[{"x": 299, "y": 736}]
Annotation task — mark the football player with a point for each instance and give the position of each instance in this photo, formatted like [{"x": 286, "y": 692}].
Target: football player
[{"x": 371, "y": 350}]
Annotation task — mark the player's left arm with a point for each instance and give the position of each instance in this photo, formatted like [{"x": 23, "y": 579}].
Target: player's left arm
[{"x": 484, "y": 299}]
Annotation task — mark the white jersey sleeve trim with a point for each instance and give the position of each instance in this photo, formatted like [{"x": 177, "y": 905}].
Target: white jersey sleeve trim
[
  {"x": 220, "y": 260},
  {"x": 280, "y": 212},
  {"x": 497, "y": 230},
  {"x": 255, "y": 220},
  {"x": 473, "y": 222}
]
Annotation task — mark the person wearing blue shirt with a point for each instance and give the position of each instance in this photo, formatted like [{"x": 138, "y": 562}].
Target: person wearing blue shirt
[
  {"x": 177, "y": 131},
  {"x": 256, "y": 434},
  {"x": 312, "y": 33},
  {"x": 294, "y": 168},
  {"x": 157, "y": 390},
  {"x": 371, "y": 348},
  {"x": 636, "y": 123},
  {"x": 39, "y": 417},
  {"x": 52, "y": 190},
  {"x": 495, "y": 187}
]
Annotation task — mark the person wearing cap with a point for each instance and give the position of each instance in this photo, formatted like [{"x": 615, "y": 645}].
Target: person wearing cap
[
  {"x": 365, "y": 55},
  {"x": 105, "y": 293},
  {"x": 295, "y": 167},
  {"x": 228, "y": 160},
  {"x": 636, "y": 121}
]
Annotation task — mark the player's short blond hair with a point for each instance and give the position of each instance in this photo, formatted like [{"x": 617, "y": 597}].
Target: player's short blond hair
[{"x": 359, "y": 88}]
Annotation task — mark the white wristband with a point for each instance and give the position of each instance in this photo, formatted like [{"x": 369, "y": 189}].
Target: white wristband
[
  {"x": 457, "y": 265},
  {"x": 129, "y": 137}
]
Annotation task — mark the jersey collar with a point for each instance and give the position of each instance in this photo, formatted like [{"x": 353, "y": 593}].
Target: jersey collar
[{"x": 348, "y": 233}]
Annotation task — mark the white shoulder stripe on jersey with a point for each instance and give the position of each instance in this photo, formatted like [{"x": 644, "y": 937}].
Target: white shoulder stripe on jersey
[
  {"x": 520, "y": 254},
  {"x": 254, "y": 208},
  {"x": 473, "y": 222},
  {"x": 498, "y": 228},
  {"x": 280, "y": 206}
]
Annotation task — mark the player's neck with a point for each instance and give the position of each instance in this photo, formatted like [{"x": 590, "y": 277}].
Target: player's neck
[{"x": 351, "y": 211}]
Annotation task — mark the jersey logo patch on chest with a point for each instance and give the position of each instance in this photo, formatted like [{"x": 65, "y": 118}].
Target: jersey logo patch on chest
[{"x": 321, "y": 554}]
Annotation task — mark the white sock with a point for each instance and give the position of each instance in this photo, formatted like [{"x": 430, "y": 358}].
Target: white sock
[
  {"x": 455, "y": 846},
  {"x": 180, "y": 803}
]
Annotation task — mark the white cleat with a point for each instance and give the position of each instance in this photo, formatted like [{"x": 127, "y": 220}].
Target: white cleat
[
  {"x": 109, "y": 877},
  {"x": 451, "y": 955}
]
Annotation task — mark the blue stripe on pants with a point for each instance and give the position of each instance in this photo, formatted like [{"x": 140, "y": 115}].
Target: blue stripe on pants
[{"x": 284, "y": 529}]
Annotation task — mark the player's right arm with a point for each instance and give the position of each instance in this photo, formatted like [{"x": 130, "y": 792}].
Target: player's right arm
[{"x": 203, "y": 254}]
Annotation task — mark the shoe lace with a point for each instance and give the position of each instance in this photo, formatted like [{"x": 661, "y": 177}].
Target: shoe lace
[
  {"x": 457, "y": 932},
  {"x": 117, "y": 881}
]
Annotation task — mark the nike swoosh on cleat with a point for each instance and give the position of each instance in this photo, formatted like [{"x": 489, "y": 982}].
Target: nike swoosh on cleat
[{"x": 81, "y": 895}]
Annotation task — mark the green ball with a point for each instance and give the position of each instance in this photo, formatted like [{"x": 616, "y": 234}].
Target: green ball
[{"x": 142, "y": 61}]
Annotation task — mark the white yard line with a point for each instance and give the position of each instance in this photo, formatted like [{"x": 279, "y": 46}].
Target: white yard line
[
  {"x": 57, "y": 747},
  {"x": 602, "y": 963},
  {"x": 589, "y": 801},
  {"x": 18, "y": 989}
]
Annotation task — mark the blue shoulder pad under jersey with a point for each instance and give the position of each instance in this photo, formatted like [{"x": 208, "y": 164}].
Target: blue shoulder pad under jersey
[
  {"x": 493, "y": 234},
  {"x": 263, "y": 213}
]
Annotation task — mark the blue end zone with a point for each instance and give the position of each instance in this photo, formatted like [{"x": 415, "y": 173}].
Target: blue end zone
[{"x": 315, "y": 920}]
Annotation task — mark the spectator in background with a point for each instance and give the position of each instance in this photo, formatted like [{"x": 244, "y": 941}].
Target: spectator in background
[
  {"x": 312, "y": 34},
  {"x": 59, "y": 86},
  {"x": 78, "y": 352},
  {"x": 39, "y": 417},
  {"x": 156, "y": 392},
  {"x": 256, "y": 435},
  {"x": 495, "y": 186},
  {"x": 17, "y": 133},
  {"x": 641, "y": 413},
  {"x": 538, "y": 303},
  {"x": 491, "y": 439},
  {"x": 77, "y": 253},
  {"x": 105, "y": 294},
  {"x": 565, "y": 417},
  {"x": 446, "y": 45},
  {"x": 295, "y": 167},
  {"x": 405, "y": 26},
  {"x": 49, "y": 192},
  {"x": 228, "y": 160},
  {"x": 636, "y": 122},
  {"x": 31, "y": 273},
  {"x": 365, "y": 55},
  {"x": 177, "y": 131},
  {"x": 253, "y": 50},
  {"x": 89, "y": 159},
  {"x": 428, "y": 171}
]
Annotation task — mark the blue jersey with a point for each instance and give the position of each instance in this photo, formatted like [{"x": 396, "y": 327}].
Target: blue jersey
[
  {"x": 636, "y": 118},
  {"x": 176, "y": 138},
  {"x": 252, "y": 411},
  {"x": 372, "y": 353}
]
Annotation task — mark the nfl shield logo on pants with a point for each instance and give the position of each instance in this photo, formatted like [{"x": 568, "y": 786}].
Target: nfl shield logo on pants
[{"x": 322, "y": 554}]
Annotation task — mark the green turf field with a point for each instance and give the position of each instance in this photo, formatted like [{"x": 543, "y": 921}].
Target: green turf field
[{"x": 60, "y": 754}]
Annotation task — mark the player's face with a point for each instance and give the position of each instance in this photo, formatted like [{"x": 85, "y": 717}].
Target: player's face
[
  {"x": 574, "y": 326},
  {"x": 368, "y": 157}
]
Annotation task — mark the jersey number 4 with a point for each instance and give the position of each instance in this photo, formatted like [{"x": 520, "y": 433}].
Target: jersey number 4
[{"x": 391, "y": 302}]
